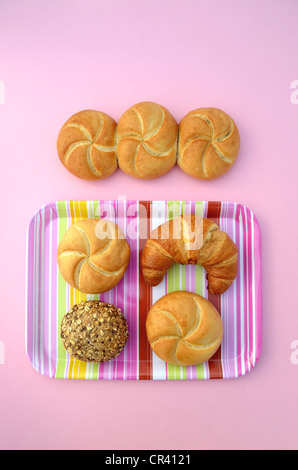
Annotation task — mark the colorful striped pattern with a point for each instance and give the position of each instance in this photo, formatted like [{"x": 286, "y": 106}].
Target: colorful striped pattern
[{"x": 49, "y": 297}]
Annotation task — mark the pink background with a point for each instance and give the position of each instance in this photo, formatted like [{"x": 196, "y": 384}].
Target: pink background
[{"x": 58, "y": 57}]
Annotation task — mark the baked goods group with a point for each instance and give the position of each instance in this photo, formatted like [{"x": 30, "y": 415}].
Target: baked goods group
[
  {"x": 183, "y": 328},
  {"x": 147, "y": 142}
]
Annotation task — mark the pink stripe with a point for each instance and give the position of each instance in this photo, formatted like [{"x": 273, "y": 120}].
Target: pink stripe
[
  {"x": 250, "y": 331},
  {"x": 245, "y": 290},
  {"x": 226, "y": 318},
  {"x": 133, "y": 304},
  {"x": 238, "y": 296},
  {"x": 53, "y": 302},
  {"x": 69, "y": 218},
  {"x": 224, "y": 305},
  {"x": 39, "y": 290},
  {"x": 120, "y": 289},
  {"x": 104, "y": 368},
  {"x": 46, "y": 285},
  {"x": 30, "y": 289},
  {"x": 258, "y": 287}
]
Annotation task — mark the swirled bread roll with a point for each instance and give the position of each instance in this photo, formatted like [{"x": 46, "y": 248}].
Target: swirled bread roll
[
  {"x": 190, "y": 239},
  {"x": 147, "y": 141},
  {"x": 87, "y": 145},
  {"x": 209, "y": 143},
  {"x": 184, "y": 329},
  {"x": 93, "y": 255}
]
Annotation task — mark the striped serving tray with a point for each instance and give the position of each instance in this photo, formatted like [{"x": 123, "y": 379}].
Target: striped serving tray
[{"x": 49, "y": 297}]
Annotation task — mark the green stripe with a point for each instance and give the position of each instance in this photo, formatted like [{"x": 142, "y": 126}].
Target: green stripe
[
  {"x": 62, "y": 293},
  {"x": 200, "y": 277},
  {"x": 92, "y": 373},
  {"x": 176, "y": 282}
]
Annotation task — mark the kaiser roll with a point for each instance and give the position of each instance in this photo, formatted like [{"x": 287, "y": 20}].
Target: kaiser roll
[
  {"x": 93, "y": 255},
  {"x": 184, "y": 329},
  {"x": 209, "y": 143},
  {"x": 147, "y": 141},
  {"x": 87, "y": 145}
]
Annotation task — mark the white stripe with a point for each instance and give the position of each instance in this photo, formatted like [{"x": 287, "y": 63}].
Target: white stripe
[
  {"x": 247, "y": 289},
  {"x": 242, "y": 342},
  {"x": 235, "y": 300},
  {"x": 253, "y": 288},
  {"x": 36, "y": 286},
  {"x": 50, "y": 316},
  {"x": 158, "y": 217},
  {"x": 138, "y": 287}
]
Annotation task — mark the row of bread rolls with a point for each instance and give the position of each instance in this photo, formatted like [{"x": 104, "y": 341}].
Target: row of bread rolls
[
  {"x": 147, "y": 142},
  {"x": 183, "y": 328}
]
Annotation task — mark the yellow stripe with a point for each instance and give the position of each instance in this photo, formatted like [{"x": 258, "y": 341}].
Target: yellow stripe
[{"x": 80, "y": 212}]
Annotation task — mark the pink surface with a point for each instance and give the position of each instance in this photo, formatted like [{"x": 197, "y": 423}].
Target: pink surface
[{"x": 60, "y": 57}]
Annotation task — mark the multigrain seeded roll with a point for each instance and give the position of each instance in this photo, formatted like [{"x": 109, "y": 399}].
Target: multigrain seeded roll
[
  {"x": 94, "y": 331},
  {"x": 209, "y": 143},
  {"x": 86, "y": 145},
  {"x": 147, "y": 136}
]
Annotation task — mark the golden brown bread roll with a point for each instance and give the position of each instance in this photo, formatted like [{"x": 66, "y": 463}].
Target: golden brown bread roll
[
  {"x": 94, "y": 331},
  {"x": 93, "y": 255},
  {"x": 190, "y": 239},
  {"x": 147, "y": 141},
  {"x": 184, "y": 329},
  {"x": 209, "y": 143},
  {"x": 87, "y": 145}
]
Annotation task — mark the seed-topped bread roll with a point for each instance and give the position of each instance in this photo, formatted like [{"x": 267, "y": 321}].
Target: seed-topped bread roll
[
  {"x": 87, "y": 145},
  {"x": 209, "y": 143},
  {"x": 93, "y": 255},
  {"x": 184, "y": 329},
  {"x": 147, "y": 141},
  {"x": 94, "y": 331}
]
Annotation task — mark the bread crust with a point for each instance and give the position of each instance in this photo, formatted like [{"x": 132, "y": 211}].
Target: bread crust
[
  {"x": 190, "y": 239},
  {"x": 184, "y": 329},
  {"x": 209, "y": 143},
  {"x": 147, "y": 136},
  {"x": 86, "y": 145},
  {"x": 91, "y": 264}
]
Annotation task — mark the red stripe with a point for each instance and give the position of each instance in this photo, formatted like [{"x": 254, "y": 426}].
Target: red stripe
[
  {"x": 145, "y": 303},
  {"x": 215, "y": 367}
]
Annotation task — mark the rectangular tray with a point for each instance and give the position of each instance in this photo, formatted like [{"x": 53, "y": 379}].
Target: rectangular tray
[{"x": 49, "y": 297}]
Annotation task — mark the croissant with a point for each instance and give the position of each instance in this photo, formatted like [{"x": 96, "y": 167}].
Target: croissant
[{"x": 191, "y": 239}]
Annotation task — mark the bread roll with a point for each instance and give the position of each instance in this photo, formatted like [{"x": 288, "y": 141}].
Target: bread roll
[
  {"x": 94, "y": 331},
  {"x": 190, "y": 239},
  {"x": 147, "y": 141},
  {"x": 184, "y": 329},
  {"x": 209, "y": 143},
  {"x": 93, "y": 255},
  {"x": 87, "y": 145}
]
